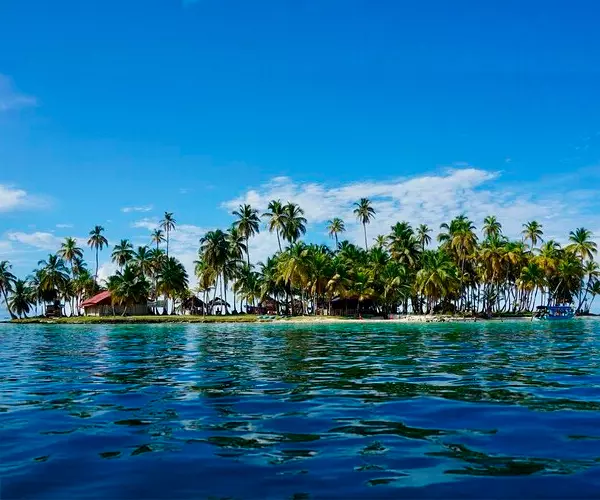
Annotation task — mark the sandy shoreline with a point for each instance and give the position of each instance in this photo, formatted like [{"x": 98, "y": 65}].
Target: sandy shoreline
[{"x": 92, "y": 320}]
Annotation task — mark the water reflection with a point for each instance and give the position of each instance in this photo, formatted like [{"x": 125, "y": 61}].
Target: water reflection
[{"x": 289, "y": 409}]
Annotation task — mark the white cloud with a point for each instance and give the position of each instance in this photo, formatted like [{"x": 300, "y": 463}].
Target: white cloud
[
  {"x": 145, "y": 208},
  {"x": 41, "y": 240},
  {"x": 38, "y": 239},
  {"x": 146, "y": 223},
  {"x": 12, "y": 198},
  {"x": 430, "y": 199},
  {"x": 64, "y": 226},
  {"x": 11, "y": 98}
]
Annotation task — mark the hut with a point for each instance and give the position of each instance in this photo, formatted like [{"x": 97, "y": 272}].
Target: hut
[
  {"x": 101, "y": 305},
  {"x": 268, "y": 305},
  {"x": 349, "y": 306},
  {"x": 219, "y": 303},
  {"x": 193, "y": 305}
]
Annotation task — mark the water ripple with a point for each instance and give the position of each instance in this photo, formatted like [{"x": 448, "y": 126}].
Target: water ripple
[{"x": 297, "y": 411}]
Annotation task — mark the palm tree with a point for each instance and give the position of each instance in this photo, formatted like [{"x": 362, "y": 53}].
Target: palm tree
[
  {"x": 158, "y": 237},
  {"x": 491, "y": 227},
  {"x": 7, "y": 282},
  {"x": 276, "y": 219},
  {"x": 248, "y": 223},
  {"x": 582, "y": 244},
  {"x": 128, "y": 287},
  {"x": 168, "y": 224},
  {"x": 533, "y": 232},
  {"x": 22, "y": 298},
  {"x": 97, "y": 242},
  {"x": 142, "y": 258},
  {"x": 364, "y": 213},
  {"x": 423, "y": 236},
  {"x": 291, "y": 267},
  {"x": 54, "y": 277},
  {"x": 172, "y": 280},
  {"x": 438, "y": 278},
  {"x": 70, "y": 252},
  {"x": 122, "y": 253},
  {"x": 295, "y": 222},
  {"x": 334, "y": 227}
]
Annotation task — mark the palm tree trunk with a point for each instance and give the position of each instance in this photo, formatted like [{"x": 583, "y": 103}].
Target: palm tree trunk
[
  {"x": 278, "y": 240},
  {"x": 248, "y": 250},
  {"x": 365, "y": 230},
  {"x": 96, "y": 275},
  {"x": 12, "y": 315},
  {"x": 337, "y": 244},
  {"x": 167, "y": 243}
]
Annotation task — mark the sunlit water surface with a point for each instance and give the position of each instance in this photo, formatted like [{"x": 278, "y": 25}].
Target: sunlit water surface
[{"x": 294, "y": 411}]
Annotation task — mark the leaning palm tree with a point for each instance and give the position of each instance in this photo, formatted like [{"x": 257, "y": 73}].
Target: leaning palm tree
[
  {"x": 334, "y": 227},
  {"x": 247, "y": 223},
  {"x": 97, "y": 242},
  {"x": 533, "y": 232},
  {"x": 295, "y": 222},
  {"x": 7, "y": 282},
  {"x": 70, "y": 252},
  {"x": 168, "y": 224},
  {"x": 364, "y": 213},
  {"x": 158, "y": 237},
  {"x": 276, "y": 219},
  {"x": 122, "y": 253},
  {"x": 582, "y": 244},
  {"x": 22, "y": 298},
  {"x": 423, "y": 236}
]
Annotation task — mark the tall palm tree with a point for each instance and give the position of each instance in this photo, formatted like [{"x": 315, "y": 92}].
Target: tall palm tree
[
  {"x": 167, "y": 224},
  {"x": 7, "y": 282},
  {"x": 582, "y": 244},
  {"x": 247, "y": 223},
  {"x": 276, "y": 219},
  {"x": 70, "y": 252},
  {"x": 533, "y": 231},
  {"x": 142, "y": 259},
  {"x": 364, "y": 213},
  {"x": 295, "y": 222},
  {"x": 122, "y": 253},
  {"x": 22, "y": 298},
  {"x": 334, "y": 227},
  {"x": 423, "y": 236},
  {"x": 491, "y": 227},
  {"x": 157, "y": 237},
  {"x": 97, "y": 242}
]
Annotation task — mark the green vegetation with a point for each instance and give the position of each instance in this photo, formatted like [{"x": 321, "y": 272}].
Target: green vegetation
[{"x": 469, "y": 272}]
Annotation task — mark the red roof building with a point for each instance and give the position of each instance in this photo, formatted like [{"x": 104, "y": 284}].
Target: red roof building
[{"x": 101, "y": 305}]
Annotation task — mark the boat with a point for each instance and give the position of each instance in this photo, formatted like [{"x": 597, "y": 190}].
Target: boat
[{"x": 554, "y": 313}]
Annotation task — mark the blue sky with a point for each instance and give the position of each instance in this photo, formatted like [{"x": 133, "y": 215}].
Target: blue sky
[{"x": 113, "y": 111}]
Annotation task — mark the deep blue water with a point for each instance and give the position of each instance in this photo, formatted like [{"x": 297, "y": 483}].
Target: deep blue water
[{"x": 290, "y": 411}]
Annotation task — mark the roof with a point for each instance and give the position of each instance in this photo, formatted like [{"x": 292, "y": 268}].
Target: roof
[{"x": 97, "y": 299}]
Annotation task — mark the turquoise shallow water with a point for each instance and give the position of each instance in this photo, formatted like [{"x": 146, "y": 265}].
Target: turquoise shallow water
[{"x": 292, "y": 411}]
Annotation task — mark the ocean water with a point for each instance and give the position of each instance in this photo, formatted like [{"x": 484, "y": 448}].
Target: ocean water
[{"x": 483, "y": 410}]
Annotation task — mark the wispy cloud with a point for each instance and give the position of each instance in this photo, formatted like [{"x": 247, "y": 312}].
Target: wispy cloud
[
  {"x": 64, "y": 226},
  {"x": 12, "y": 198},
  {"x": 37, "y": 239},
  {"x": 11, "y": 98},
  {"x": 430, "y": 199},
  {"x": 143, "y": 208}
]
